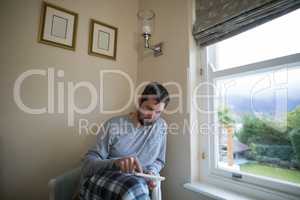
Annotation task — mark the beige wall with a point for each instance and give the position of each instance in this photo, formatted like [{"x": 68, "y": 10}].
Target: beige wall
[
  {"x": 173, "y": 26},
  {"x": 34, "y": 148}
]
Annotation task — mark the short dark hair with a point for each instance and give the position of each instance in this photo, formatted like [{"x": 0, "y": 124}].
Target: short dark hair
[{"x": 159, "y": 92}]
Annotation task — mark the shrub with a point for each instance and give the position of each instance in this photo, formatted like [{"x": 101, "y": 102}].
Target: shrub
[
  {"x": 282, "y": 152},
  {"x": 295, "y": 164},
  {"x": 285, "y": 164},
  {"x": 274, "y": 161},
  {"x": 249, "y": 155},
  {"x": 295, "y": 139}
]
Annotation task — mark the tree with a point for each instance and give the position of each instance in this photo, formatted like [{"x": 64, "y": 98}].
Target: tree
[
  {"x": 293, "y": 118},
  {"x": 225, "y": 117},
  {"x": 227, "y": 120},
  {"x": 262, "y": 131}
]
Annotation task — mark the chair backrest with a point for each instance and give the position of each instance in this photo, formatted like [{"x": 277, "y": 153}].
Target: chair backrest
[{"x": 63, "y": 187}]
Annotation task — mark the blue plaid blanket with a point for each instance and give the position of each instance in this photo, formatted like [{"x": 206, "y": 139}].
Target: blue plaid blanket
[{"x": 114, "y": 185}]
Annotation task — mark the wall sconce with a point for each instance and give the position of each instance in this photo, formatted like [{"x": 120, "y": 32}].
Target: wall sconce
[{"x": 146, "y": 19}]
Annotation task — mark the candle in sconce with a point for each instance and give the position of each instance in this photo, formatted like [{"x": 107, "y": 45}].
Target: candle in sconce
[{"x": 147, "y": 29}]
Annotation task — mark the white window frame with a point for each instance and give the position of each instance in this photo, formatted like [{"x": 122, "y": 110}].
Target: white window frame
[{"x": 249, "y": 183}]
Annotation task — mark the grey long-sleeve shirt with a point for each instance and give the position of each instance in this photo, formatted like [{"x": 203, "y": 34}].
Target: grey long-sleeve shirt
[{"x": 119, "y": 137}]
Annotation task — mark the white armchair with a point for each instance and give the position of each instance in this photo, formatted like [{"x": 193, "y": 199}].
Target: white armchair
[{"x": 63, "y": 187}]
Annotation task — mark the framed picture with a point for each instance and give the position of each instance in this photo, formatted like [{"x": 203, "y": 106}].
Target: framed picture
[
  {"x": 103, "y": 40},
  {"x": 58, "y": 26}
]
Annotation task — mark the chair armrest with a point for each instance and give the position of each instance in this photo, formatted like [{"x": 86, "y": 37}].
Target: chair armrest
[{"x": 156, "y": 192}]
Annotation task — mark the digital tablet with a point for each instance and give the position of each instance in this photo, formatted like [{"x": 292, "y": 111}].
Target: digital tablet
[{"x": 151, "y": 177}]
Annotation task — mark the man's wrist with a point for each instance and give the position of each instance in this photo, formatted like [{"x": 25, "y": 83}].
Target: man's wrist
[
  {"x": 151, "y": 171},
  {"x": 114, "y": 165}
]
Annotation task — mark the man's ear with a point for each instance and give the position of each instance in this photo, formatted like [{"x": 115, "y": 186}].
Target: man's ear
[{"x": 140, "y": 101}]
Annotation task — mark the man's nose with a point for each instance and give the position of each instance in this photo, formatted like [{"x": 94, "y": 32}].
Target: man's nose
[{"x": 150, "y": 114}]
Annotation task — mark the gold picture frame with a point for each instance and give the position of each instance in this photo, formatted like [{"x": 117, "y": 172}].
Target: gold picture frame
[
  {"x": 58, "y": 27},
  {"x": 103, "y": 40}
]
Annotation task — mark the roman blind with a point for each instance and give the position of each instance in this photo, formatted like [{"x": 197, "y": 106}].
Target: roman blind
[{"x": 217, "y": 20}]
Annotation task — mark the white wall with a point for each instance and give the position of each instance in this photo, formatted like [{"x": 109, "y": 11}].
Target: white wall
[
  {"x": 35, "y": 148},
  {"x": 173, "y": 26}
]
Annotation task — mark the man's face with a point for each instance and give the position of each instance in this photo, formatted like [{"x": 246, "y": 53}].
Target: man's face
[{"x": 149, "y": 111}]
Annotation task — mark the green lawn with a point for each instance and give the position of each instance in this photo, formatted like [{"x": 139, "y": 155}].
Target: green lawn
[{"x": 273, "y": 172}]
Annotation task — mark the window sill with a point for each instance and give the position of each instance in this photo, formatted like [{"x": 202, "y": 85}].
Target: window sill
[{"x": 214, "y": 192}]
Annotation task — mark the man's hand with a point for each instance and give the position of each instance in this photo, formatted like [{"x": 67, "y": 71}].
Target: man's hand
[
  {"x": 151, "y": 183},
  {"x": 129, "y": 164}
]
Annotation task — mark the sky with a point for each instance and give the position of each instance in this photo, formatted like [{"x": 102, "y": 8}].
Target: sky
[
  {"x": 277, "y": 38},
  {"x": 269, "y": 90}
]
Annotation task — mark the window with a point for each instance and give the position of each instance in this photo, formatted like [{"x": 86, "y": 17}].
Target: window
[
  {"x": 274, "y": 39},
  {"x": 256, "y": 109}
]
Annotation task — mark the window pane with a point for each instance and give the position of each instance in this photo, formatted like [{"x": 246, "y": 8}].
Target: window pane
[
  {"x": 277, "y": 38},
  {"x": 259, "y": 123}
]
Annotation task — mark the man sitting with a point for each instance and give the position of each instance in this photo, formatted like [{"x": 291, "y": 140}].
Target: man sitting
[{"x": 134, "y": 142}]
